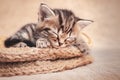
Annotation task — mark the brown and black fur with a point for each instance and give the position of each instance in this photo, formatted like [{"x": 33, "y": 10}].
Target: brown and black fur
[
  {"x": 18, "y": 37},
  {"x": 59, "y": 27}
]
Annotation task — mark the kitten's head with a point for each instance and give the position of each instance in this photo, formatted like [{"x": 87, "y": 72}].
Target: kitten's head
[{"x": 63, "y": 22}]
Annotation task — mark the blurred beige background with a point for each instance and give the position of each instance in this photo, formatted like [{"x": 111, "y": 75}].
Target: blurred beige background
[{"x": 104, "y": 31}]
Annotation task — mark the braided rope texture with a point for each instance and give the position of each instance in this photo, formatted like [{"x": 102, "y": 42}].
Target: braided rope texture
[
  {"x": 30, "y": 54},
  {"x": 35, "y": 67}
]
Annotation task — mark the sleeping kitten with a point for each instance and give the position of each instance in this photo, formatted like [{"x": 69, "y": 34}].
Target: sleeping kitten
[
  {"x": 55, "y": 27},
  {"x": 67, "y": 26}
]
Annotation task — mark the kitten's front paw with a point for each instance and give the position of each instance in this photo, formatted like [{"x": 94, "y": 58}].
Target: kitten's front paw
[
  {"x": 83, "y": 48},
  {"x": 42, "y": 43}
]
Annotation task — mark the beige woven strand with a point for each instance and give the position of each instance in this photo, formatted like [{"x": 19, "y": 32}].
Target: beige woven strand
[
  {"x": 35, "y": 67},
  {"x": 30, "y": 54}
]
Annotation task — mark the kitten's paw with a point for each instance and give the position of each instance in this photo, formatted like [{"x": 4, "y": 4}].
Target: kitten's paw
[
  {"x": 85, "y": 51},
  {"x": 20, "y": 44},
  {"x": 83, "y": 48},
  {"x": 42, "y": 43}
]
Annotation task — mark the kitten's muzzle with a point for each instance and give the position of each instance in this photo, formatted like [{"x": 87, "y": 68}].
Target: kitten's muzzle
[{"x": 60, "y": 44}]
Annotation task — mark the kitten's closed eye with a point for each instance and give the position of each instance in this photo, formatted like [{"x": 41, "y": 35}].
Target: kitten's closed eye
[
  {"x": 54, "y": 39},
  {"x": 54, "y": 42},
  {"x": 70, "y": 40}
]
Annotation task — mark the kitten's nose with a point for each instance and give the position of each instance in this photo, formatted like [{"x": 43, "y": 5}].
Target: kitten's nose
[{"x": 61, "y": 44}]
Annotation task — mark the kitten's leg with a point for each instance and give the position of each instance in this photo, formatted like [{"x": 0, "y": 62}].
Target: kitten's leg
[
  {"x": 42, "y": 43},
  {"x": 82, "y": 46}
]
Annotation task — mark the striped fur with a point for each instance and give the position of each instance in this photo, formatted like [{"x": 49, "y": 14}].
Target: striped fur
[
  {"x": 30, "y": 34},
  {"x": 58, "y": 27},
  {"x": 68, "y": 25},
  {"x": 23, "y": 35}
]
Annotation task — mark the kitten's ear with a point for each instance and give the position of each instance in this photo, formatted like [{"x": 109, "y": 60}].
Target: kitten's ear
[
  {"x": 45, "y": 11},
  {"x": 83, "y": 23}
]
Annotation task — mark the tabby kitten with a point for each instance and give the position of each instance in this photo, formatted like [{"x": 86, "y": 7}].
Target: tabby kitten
[
  {"x": 67, "y": 26},
  {"x": 55, "y": 27}
]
